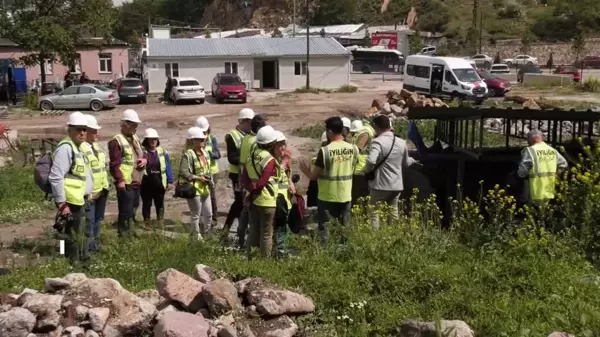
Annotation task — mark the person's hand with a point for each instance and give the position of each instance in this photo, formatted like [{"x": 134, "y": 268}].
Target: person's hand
[
  {"x": 121, "y": 186},
  {"x": 142, "y": 162},
  {"x": 203, "y": 179},
  {"x": 293, "y": 189},
  {"x": 64, "y": 209},
  {"x": 170, "y": 186}
]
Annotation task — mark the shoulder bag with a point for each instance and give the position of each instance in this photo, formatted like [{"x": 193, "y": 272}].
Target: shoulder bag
[
  {"x": 371, "y": 175},
  {"x": 186, "y": 190}
]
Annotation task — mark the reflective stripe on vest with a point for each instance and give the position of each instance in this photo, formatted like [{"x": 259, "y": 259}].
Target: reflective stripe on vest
[
  {"x": 542, "y": 176},
  {"x": 246, "y": 148},
  {"x": 335, "y": 183},
  {"x": 214, "y": 165},
  {"x": 75, "y": 179},
  {"x": 200, "y": 169},
  {"x": 363, "y": 154},
  {"x": 258, "y": 160},
  {"x": 97, "y": 165},
  {"x": 283, "y": 185},
  {"x": 162, "y": 161},
  {"x": 237, "y": 137},
  {"x": 127, "y": 164}
]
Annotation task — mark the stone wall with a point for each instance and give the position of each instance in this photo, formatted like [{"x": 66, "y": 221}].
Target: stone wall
[{"x": 563, "y": 53}]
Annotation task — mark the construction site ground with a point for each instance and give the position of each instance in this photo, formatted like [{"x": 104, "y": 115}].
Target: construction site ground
[{"x": 285, "y": 111}]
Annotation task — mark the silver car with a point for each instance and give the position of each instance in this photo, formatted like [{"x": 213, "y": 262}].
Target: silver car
[{"x": 82, "y": 97}]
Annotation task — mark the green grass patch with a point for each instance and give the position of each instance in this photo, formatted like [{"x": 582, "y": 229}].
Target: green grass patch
[
  {"x": 347, "y": 88},
  {"x": 591, "y": 85},
  {"x": 20, "y": 197}
]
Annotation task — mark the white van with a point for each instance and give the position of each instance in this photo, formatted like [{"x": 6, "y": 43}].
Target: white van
[{"x": 444, "y": 77}]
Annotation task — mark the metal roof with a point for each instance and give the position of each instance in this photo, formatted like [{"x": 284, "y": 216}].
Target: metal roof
[
  {"x": 333, "y": 30},
  {"x": 260, "y": 46}
]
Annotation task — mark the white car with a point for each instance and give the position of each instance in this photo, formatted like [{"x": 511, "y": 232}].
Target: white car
[
  {"x": 521, "y": 60},
  {"x": 482, "y": 60},
  {"x": 499, "y": 68},
  {"x": 187, "y": 89},
  {"x": 428, "y": 50}
]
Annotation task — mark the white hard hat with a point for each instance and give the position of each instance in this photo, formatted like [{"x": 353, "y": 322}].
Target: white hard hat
[
  {"x": 92, "y": 123},
  {"x": 202, "y": 123},
  {"x": 77, "y": 119},
  {"x": 195, "y": 133},
  {"x": 356, "y": 126},
  {"x": 246, "y": 113},
  {"x": 347, "y": 122},
  {"x": 131, "y": 116},
  {"x": 324, "y": 137},
  {"x": 280, "y": 137},
  {"x": 266, "y": 135},
  {"x": 150, "y": 133}
]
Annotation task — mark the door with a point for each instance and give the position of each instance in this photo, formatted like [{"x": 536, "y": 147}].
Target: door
[
  {"x": 268, "y": 75},
  {"x": 67, "y": 99},
  {"x": 84, "y": 97},
  {"x": 450, "y": 84},
  {"x": 437, "y": 77}
]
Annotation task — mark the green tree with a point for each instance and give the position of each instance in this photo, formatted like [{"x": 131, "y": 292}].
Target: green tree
[
  {"x": 333, "y": 12},
  {"x": 134, "y": 17},
  {"x": 526, "y": 42},
  {"x": 51, "y": 30},
  {"x": 578, "y": 46},
  {"x": 416, "y": 43},
  {"x": 434, "y": 16}
]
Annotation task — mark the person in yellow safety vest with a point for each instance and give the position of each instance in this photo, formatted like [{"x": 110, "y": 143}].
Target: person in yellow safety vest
[
  {"x": 347, "y": 126},
  {"x": 248, "y": 144},
  {"x": 212, "y": 147},
  {"x": 260, "y": 178},
  {"x": 96, "y": 158},
  {"x": 333, "y": 170},
  {"x": 127, "y": 163},
  {"x": 539, "y": 164},
  {"x": 157, "y": 179},
  {"x": 286, "y": 189},
  {"x": 233, "y": 141},
  {"x": 362, "y": 138},
  {"x": 312, "y": 192},
  {"x": 71, "y": 180},
  {"x": 195, "y": 168}
]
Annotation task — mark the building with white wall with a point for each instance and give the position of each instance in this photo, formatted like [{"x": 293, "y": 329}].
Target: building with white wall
[{"x": 261, "y": 62}]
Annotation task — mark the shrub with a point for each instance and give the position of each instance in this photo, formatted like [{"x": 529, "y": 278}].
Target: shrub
[
  {"x": 311, "y": 90},
  {"x": 347, "y": 88},
  {"x": 30, "y": 101},
  {"x": 591, "y": 85}
]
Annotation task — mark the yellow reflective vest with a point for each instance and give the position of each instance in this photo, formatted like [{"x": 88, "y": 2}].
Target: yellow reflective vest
[
  {"x": 127, "y": 165},
  {"x": 74, "y": 181},
  {"x": 237, "y": 137},
  {"x": 97, "y": 164},
  {"x": 162, "y": 160},
  {"x": 335, "y": 182},
  {"x": 283, "y": 185},
  {"x": 214, "y": 165},
  {"x": 364, "y": 153},
  {"x": 542, "y": 175},
  {"x": 200, "y": 169},
  {"x": 258, "y": 160},
  {"x": 246, "y": 148}
]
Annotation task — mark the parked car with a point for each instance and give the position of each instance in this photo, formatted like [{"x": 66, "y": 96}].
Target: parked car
[
  {"x": 130, "y": 89},
  {"x": 482, "y": 60},
  {"x": 521, "y": 60},
  {"x": 568, "y": 70},
  {"x": 83, "y": 97},
  {"x": 186, "y": 89},
  {"x": 589, "y": 62},
  {"x": 428, "y": 50},
  {"x": 499, "y": 68},
  {"x": 496, "y": 86},
  {"x": 528, "y": 69},
  {"x": 229, "y": 87}
]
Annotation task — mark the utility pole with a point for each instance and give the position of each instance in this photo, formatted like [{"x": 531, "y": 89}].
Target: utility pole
[
  {"x": 294, "y": 22},
  {"x": 480, "y": 30},
  {"x": 307, "y": 46}
]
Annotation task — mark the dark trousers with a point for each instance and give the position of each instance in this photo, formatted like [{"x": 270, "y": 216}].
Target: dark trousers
[
  {"x": 94, "y": 214},
  {"x": 152, "y": 190},
  {"x": 213, "y": 198},
  {"x": 126, "y": 200},
  {"x": 328, "y": 211},
  {"x": 238, "y": 202},
  {"x": 360, "y": 189},
  {"x": 312, "y": 194},
  {"x": 75, "y": 248}
]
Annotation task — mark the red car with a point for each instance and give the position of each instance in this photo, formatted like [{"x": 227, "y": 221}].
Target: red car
[
  {"x": 497, "y": 86},
  {"x": 569, "y": 70},
  {"x": 229, "y": 87}
]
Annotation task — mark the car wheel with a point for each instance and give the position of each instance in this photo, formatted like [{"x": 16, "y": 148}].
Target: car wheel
[
  {"x": 96, "y": 106},
  {"x": 509, "y": 64},
  {"x": 201, "y": 101},
  {"x": 529, "y": 63},
  {"x": 244, "y": 101},
  {"x": 144, "y": 101},
  {"x": 219, "y": 100},
  {"x": 212, "y": 93},
  {"x": 46, "y": 106},
  {"x": 492, "y": 92}
]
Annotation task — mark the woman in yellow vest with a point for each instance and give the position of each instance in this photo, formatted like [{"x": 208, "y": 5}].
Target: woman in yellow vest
[
  {"x": 158, "y": 177},
  {"x": 212, "y": 147},
  {"x": 195, "y": 169},
  {"x": 285, "y": 191},
  {"x": 362, "y": 135}
]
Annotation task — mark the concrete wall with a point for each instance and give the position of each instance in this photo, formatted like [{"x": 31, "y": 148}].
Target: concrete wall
[
  {"x": 557, "y": 80},
  {"x": 325, "y": 72},
  {"x": 562, "y": 52}
]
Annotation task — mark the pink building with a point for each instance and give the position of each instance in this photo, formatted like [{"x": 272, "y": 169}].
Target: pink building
[{"x": 111, "y": 61}]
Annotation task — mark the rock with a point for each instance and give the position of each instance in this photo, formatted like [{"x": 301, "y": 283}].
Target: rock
[
  {"x": 412, "y": 101},
  {"x": 243, "y": 329},
  {"x": 179, "y": 287},
  {"x": 281, "y": 326},
  {"x": 531, "y": 104},
  {"x": 82, "y": 312},
  {"x": 251, "y": 312},
  {"x": 76, "y": 279},
  {"x": 48, "y": 322},
  {"x": 56, "y": 333},
  {"x": 560, "y": 334},
  {"x": 75, "y": 331},
  {"x": 5, "y": 307},
  {"x": 377, "y": 104},
  {"x": 371, "y": 112},
  {"x": 272, "y": 301},
  {"x": 17, "y": 322},
  {"x": 98, "y": 318},
  {"x": 221, "y": 296},
  {"x": 204, "y": 313},
  {"x": 203, "y": 273},
  {"x": 386, "y": 107},
  {"x": 55, "y": 284},
  {"x": 169, "y": 308},
  {"x": 9, "y": 299},
  {"x": 172, "y": 124},
  {"x": 151, "y": 295},
  {"x": 411, "y": 328},
  {"x": 41, "y": 304},
  {"x": 91, "y": 333},
  {"x": 228, "y": 331},
  {"x": 181, "y": 324},
  {"x": 405, "y": 94},
  {"x": 396, "y": 110},
  {"x": 438, "y": 103},
  {"x": 226, "y": 320}
]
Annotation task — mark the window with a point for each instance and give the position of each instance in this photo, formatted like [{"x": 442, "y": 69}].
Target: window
[
  {"x": 188, "y": 83},
  {"x": 70, "y": 91},
  {"x": 172, "y": 69},
  {"x": 48, "y": 67},
  {"x": 466, "y": 75},
  {"x": 411, "y": 70},
  {"x": 101, "y": 88},
  {"x": 75, "y": 68},
  {"x": 423, "y": 72},
  {"x": 300, "y": 68},
  {"x": 231, "y": 68},
  {"x": 86, "y": 90},
  {"x": 105, "y": 63}
]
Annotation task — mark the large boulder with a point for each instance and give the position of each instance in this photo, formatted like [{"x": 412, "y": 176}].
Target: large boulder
[
  {"x": 42, "y": 304},
  {"x": 98, "y": 318},
  {"x": 56, "y": 284},
  {"x": 177, "y": 286},
  {"x": 17, "y": 322},
  {"x": 203, "y": 273},
  {"x": 273, "y": 301},
  {"x": 151, "y": 295},
  {"x": 181, "y": 324},
  {"x": 48, "y": 322},
  {"x": 221, "y": 296},
  {"x": 412, "y": 328}
]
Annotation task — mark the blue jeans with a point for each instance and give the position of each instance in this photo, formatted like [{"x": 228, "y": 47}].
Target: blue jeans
[
  {"x": 328, "y": 211},
  {"x": 94, "y": 215}
]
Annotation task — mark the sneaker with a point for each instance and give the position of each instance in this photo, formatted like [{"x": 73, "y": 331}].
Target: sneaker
[{"x": 199, "y": 237}]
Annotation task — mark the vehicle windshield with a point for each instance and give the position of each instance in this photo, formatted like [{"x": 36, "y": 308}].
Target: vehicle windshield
[
  {"x": 101, "y": 88},
  {"x": 230, "y": 80},
  {"x": 188, "y": 83},
  {"x": 487, "y": 76},
  {"x": 466, "y": 75}
]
